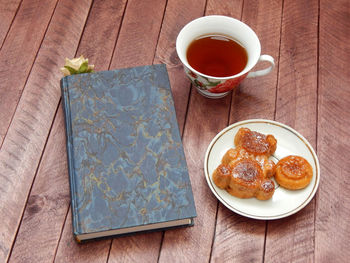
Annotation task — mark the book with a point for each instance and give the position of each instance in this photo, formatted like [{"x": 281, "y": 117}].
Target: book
[{"x": 126, "y": 162}]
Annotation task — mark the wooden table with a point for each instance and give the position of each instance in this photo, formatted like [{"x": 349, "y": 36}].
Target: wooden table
[{"x": 308, "y": 90}]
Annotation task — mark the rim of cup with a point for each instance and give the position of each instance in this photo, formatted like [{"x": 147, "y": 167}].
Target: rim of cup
[{"x": 252, "y": 61}]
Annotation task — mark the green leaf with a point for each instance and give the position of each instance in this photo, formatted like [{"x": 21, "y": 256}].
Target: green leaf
[
  {"x": 213, "y": 83},
  {"x": 196, "y": 82},
  {"x": 83, "y": 67},
  {"x": 71, "y": 70}
]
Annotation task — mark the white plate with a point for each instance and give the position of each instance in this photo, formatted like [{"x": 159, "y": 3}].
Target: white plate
[{"x": 284, "y": 202}]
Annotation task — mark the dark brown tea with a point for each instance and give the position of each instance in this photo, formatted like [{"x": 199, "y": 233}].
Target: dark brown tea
[{"x": 217, "y": 56}]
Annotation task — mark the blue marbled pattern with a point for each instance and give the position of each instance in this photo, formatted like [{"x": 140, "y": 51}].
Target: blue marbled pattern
[{"x": 126, "y": 160}]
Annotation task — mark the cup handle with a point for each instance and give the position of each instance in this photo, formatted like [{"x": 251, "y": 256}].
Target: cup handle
[{"x": 263, "y": 72}]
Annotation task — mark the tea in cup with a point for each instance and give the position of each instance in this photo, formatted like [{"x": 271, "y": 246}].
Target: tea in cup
[{"x": 218, "y": 53}]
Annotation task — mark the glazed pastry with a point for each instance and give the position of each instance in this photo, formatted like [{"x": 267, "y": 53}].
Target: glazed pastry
[
  {"x": 266, "y": 190},
  {"x": 222, "y": 176},
  {"x": 255, "y": 143},
  {"x": 267, "y": 166},
  {"x": 230, "y": 155},
  {"x": 293, "y": 172},
  {"x": 245, "y": 171},
  {"x": 247, "y": 180}
]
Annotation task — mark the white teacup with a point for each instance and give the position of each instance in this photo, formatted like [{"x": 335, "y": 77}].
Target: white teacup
[{"x": 218, "y": 87}]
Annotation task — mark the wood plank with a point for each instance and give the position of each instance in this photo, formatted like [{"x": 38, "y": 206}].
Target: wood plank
[
  {"x": 332, "y": 233},
  {"x": 139, "y": 247},
  {"x": 138, "y": 36},
  {"x": 70, "y": 251},
  {"x": 194, "y": 244},
  {"x": 47, "y": 204},
  {"x": 129, "y": 248},
  {"x": 255, "y": 98},
  {"x": 135, "y": 48},
  {"x": 297, "y": 83},
  {"x": 292, "y": 238},
  {"x": 18, "y": 53},
  {"x": 104, "y": 20},
  {"x": 175, "y": 18},
  {"x": 8, "y": 11},
  {"x": 202, "y": 122},
  {"x": 101, "y": 32},
  {"x": 21, "y": 150}
]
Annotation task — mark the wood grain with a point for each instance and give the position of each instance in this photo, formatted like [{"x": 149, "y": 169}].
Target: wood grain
[
  {"x": 18, "y": 53},
  {"x": 138, "y": 37},
  {"x": 101, "y": 31},
  {"x": 202, "y": 122},
  {"x": 333, "y": 202},
  {"x": 297, "y": 82},
  {"x": 194, "y": 244},
  {"x": 47, "y": 204},
  {"x": 133, "y": 49},
  {"x": 133, "y": 248},
  {"x": 104, "y": 19},
  {"x": 255, "y": 98},
  {"x": 177, "y": 15},
  {"x": 308, "y": 90},
  {"x": 292, "y": 239},
  {"x": 21, "y": 150},
  {"x": 238, "y": 239},
  {"x": 8, "y": 11},
  {"x": 70, "y": 251}
]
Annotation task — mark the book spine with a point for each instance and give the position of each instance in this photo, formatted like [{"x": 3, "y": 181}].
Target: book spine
[{"x": 70, "y": 154}]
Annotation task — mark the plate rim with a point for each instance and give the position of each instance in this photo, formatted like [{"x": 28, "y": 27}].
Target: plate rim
[{"x": 281, "y": 125}]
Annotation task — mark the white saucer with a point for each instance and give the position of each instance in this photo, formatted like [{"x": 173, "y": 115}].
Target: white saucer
[{"x": 284, "y": 202}]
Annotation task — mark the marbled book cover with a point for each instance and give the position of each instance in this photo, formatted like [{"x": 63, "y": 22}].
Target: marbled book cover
[{"x": 125, "y": 156}]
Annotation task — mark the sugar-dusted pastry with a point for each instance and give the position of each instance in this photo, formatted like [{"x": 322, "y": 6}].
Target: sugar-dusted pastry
[
  {"x": 222, "y": 176},
  {"x": 244, "y": 179},
  {"x": 245, "y": 170},
  {"x": 293, "y": 172},
  {"x": 267, "y": 166},
  {"x": 230, "y": 155},
  {"x": 266, "y": 190},
  {"x": 255, "y": 143}
]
